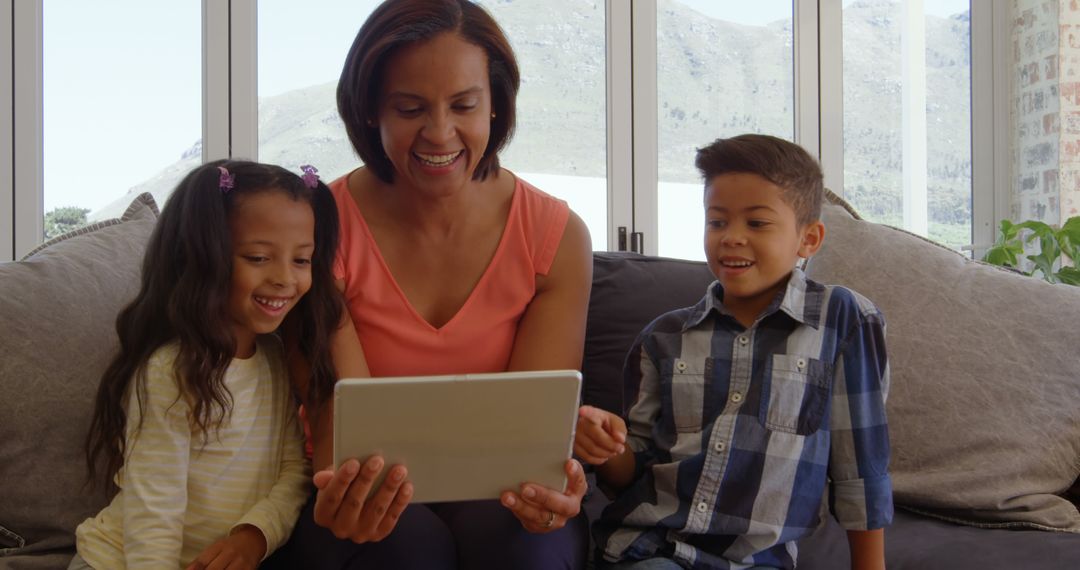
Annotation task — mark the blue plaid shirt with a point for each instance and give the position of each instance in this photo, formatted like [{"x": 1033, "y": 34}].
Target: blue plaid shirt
[{"x": 737, "y": 432}]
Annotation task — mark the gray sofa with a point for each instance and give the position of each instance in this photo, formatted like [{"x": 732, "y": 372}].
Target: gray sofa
[
  {"x": 984, "y": 406},
  {"x": 983, "y": 409}
]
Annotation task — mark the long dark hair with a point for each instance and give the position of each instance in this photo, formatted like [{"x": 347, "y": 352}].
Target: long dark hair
[{"x": 183, "y": 297}]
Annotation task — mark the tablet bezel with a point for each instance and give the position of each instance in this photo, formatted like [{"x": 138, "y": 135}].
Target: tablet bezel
[{"x": 521, "y": 425}]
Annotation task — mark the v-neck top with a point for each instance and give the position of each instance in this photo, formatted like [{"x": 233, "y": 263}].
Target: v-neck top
[{"x": 398, "y": 341}]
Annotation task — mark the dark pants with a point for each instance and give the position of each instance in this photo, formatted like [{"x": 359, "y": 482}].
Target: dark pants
[
  {"x": 655, "y": 564},
  {"x": 480, "y": 535}
]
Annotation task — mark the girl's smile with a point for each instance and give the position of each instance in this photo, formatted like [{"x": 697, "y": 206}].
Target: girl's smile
[{"x": 273, "y": 306}]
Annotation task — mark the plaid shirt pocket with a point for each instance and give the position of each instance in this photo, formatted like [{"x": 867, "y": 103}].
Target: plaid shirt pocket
[
  {"x": 794, "y": 392},
  {"x": 686, "y": 384}
]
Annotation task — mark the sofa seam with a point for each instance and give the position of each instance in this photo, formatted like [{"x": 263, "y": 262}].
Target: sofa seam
[{"x": 1001, "y": 525}]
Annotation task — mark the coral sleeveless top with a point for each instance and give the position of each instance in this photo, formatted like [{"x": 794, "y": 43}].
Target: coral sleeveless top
[{"x": 397, "y": 341}]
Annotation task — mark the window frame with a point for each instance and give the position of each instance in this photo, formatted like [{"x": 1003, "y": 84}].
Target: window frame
[
  {"x": 230, "y": 79},
  {"x": 230, "y": 108},
  {"x": 27, "y": 172},
  {"x": 991, "y": 163},
  {"x": 7, "y": 132}
]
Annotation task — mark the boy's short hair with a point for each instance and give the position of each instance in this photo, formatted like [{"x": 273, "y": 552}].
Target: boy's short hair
[{"x": 781, "y": 162}]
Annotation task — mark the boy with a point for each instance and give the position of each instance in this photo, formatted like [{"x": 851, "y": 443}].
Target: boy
[{"x": 755, "y": 399}]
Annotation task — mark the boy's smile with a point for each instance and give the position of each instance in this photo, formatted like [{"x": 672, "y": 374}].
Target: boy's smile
[{"x": 752, "y": 241}]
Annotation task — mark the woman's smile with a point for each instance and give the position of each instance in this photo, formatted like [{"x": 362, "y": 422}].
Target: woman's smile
[{"x": 437, "y": 163}]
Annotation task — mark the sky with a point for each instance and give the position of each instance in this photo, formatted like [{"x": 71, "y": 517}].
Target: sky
[
  {"x": 123, "y": 96},
  {"x": 122, "y": 99}
]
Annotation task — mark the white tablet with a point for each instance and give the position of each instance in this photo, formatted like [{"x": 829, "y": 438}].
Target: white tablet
[{"x": 462, "y": 437}]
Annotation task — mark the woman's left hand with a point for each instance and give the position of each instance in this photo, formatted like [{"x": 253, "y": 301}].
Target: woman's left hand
[{"x": 543, "y": 510}]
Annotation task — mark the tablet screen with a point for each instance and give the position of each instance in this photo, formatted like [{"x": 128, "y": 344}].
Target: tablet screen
[{"x": 462, "y": 437}]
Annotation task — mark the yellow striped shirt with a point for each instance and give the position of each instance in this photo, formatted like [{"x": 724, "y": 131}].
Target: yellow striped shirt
[{"x": 178, "y": 495}]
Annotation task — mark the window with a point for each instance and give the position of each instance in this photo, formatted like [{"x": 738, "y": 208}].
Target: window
[
  {"x": 723, "y": 69},
  {"x": 299, "y": 65},
  {"x": 122, "y": 104},
  {"x": 616, "y": 97},
  {"x": 907, "y": 115},
  {"x": 559, "y": 145}
]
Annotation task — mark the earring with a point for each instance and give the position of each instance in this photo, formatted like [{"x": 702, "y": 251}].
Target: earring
[
  {"x": 493, "y": 116},
  {"x": 371, "y": 123}
]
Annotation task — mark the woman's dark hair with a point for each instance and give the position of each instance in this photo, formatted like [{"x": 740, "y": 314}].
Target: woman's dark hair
[
  {"x": 398, "y": 23},
  {"x": 781, "y": 162},
  {"x": 183, "y": 297}
]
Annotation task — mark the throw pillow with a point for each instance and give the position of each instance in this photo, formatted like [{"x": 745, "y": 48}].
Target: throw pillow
[
  {"x": 628, "y": 292},
  {"x": 58, "y": 314},
  {"x": 984, "y": 409}
]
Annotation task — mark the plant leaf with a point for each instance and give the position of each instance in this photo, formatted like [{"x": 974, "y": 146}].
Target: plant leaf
[
  {"x": 1070, "y": 275},
  {"x": 1047, "y": 237},
  {"x": 1008, "y": 231},
  {"x": 1044, "y": 265},
  {"x": 1069, "y": 238},
  {"x": 1008, "y": 248},
  {"x": 1040, "y": 228},
  {"x": 1000, "y": 255},
  {"x": 1072, "y": 226}
]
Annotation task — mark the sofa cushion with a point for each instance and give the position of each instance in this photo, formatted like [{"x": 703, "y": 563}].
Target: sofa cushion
[
  {"x": 915, "y": 542},
  {"x": 629, "y": 291},
  {"x": 984, "y": 409},
  {"x": 58, "y": 314}
]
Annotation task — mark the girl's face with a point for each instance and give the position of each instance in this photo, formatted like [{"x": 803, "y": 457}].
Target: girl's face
[
  {"x": 273, "y": 239},
  {"x": 435, "y": 113}
]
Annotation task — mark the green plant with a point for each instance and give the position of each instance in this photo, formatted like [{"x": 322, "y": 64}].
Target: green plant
[
  {"x": 1055, "y": 244},
  {"x": 62, "y": 220}
]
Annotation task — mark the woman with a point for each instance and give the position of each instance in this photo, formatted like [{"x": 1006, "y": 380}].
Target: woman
[{"x": 448, "y": 264}]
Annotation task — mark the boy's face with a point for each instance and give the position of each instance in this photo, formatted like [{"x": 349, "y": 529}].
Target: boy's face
[{"x": 752, "y": 241}]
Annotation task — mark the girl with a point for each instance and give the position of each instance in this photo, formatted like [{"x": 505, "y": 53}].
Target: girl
[{"x": 194, "y": 417}]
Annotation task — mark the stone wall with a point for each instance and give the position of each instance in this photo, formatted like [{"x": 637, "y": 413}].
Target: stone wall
[
  {"x": 1036, "y": 110},
  {"x": 1046, "y": 110},
  {"x": 1069, "y": 69}
]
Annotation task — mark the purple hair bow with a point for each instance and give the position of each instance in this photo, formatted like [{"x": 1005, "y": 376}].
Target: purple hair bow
[
  {"x": 311, "y": 176},
  {"x": 226, "y": 180}
]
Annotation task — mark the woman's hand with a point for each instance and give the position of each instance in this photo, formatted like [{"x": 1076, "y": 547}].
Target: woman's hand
[
  {"x": 543, "y": 510},
  {"x": 600, "y": 435},
  {"x": 342, "y": 504}
]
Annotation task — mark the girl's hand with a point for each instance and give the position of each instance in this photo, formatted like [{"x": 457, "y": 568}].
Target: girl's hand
[
  {"x": 342, "y": 504},
  {"x": 600, "y": 435},
  {"x": 542, "y": 510},
  {"x": 243, "y": 549}
]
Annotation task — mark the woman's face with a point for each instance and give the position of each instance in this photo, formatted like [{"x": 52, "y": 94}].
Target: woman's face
[{"x": 435, "y": 113}]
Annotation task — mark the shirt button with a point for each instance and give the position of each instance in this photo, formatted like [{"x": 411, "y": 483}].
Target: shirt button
[
  {"x": 702, "y": 507},
  {"x": 743, "y": 339},
  {"x": 719, "y": 446},
  {"x": 680, "y": 365},
  {"x": 736, "y": 397},
  {"x": 800, "y": 363}
]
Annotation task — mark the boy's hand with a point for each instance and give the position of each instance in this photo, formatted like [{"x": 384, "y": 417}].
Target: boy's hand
[
  {"x": 867, "y": 549},
  {"x": 243, "y": 549},
  {"x": 600, "y": 435}
]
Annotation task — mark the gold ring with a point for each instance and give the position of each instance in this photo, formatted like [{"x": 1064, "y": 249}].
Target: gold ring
[{"x": 551, "y": 520}]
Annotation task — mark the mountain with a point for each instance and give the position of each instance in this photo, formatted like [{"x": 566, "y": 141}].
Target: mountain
[{"x": 716, "y": 78}]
